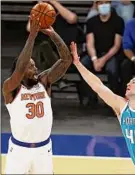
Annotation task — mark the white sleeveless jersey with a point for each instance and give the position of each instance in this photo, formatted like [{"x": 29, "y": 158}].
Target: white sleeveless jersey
[{"x": 31, "y": 114}]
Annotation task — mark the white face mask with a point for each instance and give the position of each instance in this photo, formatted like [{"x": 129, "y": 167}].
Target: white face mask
[{"x": 104, "y": 9}]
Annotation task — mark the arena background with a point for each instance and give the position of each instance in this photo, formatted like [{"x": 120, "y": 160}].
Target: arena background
[{"x": 85, "y": 141}]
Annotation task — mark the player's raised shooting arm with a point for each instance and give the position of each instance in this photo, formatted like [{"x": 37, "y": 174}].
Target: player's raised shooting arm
[
  {"x": 113, "y": 100},
  {"x": 60, "y": 67},
  {"x": 14, "y": 81}
]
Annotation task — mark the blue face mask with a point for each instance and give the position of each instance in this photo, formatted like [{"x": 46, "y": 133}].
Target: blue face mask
[{"x": 104, "y": 9}]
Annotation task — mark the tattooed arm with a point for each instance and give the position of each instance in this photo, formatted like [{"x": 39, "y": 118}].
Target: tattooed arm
[
  {"x": 15, "y": 79},
  {"x": 60, "y": 67}
]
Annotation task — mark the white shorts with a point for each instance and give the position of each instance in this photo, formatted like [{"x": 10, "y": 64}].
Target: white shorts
[{"x": 21, "y": 160}]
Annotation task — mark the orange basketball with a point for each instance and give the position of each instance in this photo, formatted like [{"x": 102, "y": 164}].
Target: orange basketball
[{"x": 46, "y": 14}]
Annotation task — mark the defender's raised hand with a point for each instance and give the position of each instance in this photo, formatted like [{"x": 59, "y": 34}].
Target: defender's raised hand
[{"x": 73, "y": 48}]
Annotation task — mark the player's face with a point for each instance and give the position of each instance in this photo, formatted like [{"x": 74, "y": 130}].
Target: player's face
[
  {"x": 31, "y": 72},
  {"x": 130, "y": 88}
]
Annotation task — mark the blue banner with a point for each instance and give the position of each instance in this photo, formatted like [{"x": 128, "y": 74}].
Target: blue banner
[{"x": 80, "y": 145}]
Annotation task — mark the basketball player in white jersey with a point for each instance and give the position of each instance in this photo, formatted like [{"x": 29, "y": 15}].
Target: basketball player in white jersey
[{"x": 27, "y": 98}]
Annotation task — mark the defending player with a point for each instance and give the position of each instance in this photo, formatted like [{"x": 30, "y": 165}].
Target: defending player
[
  {"x": 27, "y": 99},
  {"x": 124, "y": 109}
]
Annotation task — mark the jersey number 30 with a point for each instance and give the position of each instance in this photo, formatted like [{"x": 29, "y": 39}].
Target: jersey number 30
[{"x": 35, "y": 110}]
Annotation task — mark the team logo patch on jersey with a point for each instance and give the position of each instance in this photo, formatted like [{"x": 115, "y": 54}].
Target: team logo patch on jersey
[{"x": 35, "y": 96}]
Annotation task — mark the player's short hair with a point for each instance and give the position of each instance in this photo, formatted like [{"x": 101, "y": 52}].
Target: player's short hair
[{"x": 13, "y": 66}]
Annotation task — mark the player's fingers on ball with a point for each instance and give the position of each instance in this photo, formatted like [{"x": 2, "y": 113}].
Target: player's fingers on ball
[
  {"x": 29, "y": 17},
  {"x": 39, "y": 24},
  {"x": 51, "y": 28},
  {"x": 32, "y": 16}
]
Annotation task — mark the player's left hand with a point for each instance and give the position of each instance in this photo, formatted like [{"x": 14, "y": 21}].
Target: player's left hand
[{"x": 48, "y": 31}]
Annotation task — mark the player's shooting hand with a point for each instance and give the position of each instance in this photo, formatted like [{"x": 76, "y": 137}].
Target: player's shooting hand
[
  {"x": 48, "y": 31},
  {"x": 52, "y": 1},
  {"x": 73, "y": 48},
  {"x": 34, "y": 25}
]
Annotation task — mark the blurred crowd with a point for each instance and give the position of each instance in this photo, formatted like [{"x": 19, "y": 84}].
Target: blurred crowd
[{"x": 106, "y": 44}]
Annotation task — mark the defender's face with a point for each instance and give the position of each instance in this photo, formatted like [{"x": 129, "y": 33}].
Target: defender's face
[
  {"x": 130, "y": 88},
  {"x": 31, "y": 72}
]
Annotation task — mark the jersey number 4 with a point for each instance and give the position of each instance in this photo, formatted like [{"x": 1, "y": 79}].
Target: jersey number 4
[
  {"x": 130, "y": 134},
  {"x": 35, "y": 110}
]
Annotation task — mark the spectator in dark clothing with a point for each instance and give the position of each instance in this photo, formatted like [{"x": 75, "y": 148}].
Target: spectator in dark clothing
[
  {"x": 128, "y": 65},
  {"x": 104, "y": 35},
  {"x": 66, "y": 24},
  {"x": 94, "y": 11},
  {"x": 67, "y": 27}
]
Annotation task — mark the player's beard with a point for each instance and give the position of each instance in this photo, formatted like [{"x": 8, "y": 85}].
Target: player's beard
[{"x": 32, "y": 82}]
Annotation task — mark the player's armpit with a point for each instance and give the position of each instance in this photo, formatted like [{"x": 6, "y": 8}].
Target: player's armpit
[
  {"x": 43, "y": 77},
  {"x": 113, "y": 100}
]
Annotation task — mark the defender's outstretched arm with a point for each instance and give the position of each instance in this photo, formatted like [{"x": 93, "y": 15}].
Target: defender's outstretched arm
[{"x": 113, "y": 100}]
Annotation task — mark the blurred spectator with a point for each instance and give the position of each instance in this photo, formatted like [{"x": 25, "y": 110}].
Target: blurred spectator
[
  {"x": 128, "y": 65},
  {"x": 93, "y": 11},
  {"x": 104, "y": 35},
  {"x": 66, "y": 26},
  {"x": 124, "y": 8},
  {"x": 66, "y": 22}
]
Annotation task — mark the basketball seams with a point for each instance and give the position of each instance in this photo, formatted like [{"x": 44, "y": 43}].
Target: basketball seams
[
  {"x": 48, "y": 15},
  {"x": 46, "y": 18},
  {"x": 44, "y": 13},
  {"x": 36, "y": 14}
]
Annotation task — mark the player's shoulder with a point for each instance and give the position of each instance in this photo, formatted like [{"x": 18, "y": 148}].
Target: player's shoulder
[{"x": 123, "y": 102}]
